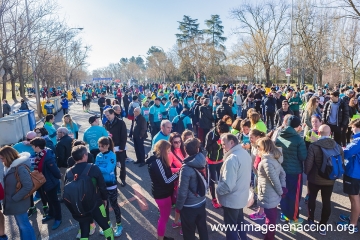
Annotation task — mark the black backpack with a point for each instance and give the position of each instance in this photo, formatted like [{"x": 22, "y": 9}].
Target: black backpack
[
  {"x": 80, "y": 192},
  {"x": 179, "y": 126}
]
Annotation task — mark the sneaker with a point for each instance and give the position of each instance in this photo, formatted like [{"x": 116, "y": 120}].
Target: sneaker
[
  {"x": 297, "y": 221},
  {"x": 92, "y": 228},
  {"x": 257, "y": 216},
  {"x": 344, "y": 218},
  {"x": 283, "y": 218},
  {"x": 56, "y": 224},
  {"x": 312, "y": 224},
  {"x": 118, "y": 230},
  {"x": 176, "y": 225},
  {"x": 102, "y": 231},
  {"x": 322, "y": 232},
  {"x": 31, "y": 211},
  {"x": 181, "y": 233},
  {"x": 46, "y": 219},
  {"x": 306, "y": 200},
  {"x": 78, "y": 236},
  {"x": 36, "y": 198},
  {"x": 215, "y": 203}
]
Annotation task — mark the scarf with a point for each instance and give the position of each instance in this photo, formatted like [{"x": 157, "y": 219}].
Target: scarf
[{"x": 39, "y": 160}]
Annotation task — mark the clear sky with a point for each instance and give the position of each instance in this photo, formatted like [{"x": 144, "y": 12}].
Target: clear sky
[{"x": 125, "y": 28}]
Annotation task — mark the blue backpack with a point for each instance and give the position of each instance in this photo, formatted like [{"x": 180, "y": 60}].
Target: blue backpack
[{"x": 332, "y": 164}]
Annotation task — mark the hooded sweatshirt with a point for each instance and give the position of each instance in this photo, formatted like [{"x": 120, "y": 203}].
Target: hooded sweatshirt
[{"x": 188, "y": 183}]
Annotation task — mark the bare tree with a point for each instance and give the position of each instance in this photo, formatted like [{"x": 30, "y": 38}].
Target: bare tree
[{"x": 265, "y": 24}]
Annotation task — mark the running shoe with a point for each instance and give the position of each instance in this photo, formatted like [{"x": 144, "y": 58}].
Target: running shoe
[
  {"x": 257, "y": 216},
  {"x": 283, "y": 218},
  {"x": 176, "y": 225},
  {"x": 297, "y": 221},
  {"x": 215, "y": 203},
  {"x": 92, "y": 228},
  {"x": 31, "y": 211},
  {"x": 102, "y": 231},
  {"x": 118, "y": 230}
]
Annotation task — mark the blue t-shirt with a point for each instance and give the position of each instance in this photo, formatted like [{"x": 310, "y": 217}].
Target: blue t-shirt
[
  {"x": 145, "y": 111},
  {"x": 172, "y": 113},
  {"x": 157, "y": 112},
  {"x": 92, "y": 135},
  {"x": 72, "y": 130},
  {"x": 107, "y": 163},
  {"x": 186, "y": 120},
  {"x": 21, "y": 147},
  {"x": 159, "y": 136}
]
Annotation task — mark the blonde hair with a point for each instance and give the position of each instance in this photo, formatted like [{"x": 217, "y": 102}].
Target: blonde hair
[
  {"x": 268, "y": 147},
  {"x": 9, "y": 154},
  {"x": 161, "y": 151},
  {"x": 249, "y": 112},
  {"x": 70, "y": 120},
  {"x": 311, "y": 106},
  {"x": 186, "y": 134}
]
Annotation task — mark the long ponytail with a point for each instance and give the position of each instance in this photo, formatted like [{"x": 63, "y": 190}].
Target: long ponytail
[{"x": 107, "y": 141}]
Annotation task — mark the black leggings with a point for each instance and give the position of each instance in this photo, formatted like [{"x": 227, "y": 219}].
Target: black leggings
[
  {"x": 214, "y": 170},
  {"x": 112, "y": 198},
  {"x": 326, "y": 192},
  {"x": 348, "y": 135},
  {"x": 99, "y": 215}
]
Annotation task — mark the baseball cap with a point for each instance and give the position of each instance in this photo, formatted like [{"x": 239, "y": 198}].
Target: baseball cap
[
  {"x": 93, "y": 119},
  {"x": 294, "y": 121}
]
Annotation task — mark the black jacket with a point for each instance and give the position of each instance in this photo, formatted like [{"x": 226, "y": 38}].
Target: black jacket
[
  {"x": 97, "y": 178},
  {"x": 126, "y": 100},
  {"x": 162, "y": 179},
  {"x": 50, "y": 171},
  {"x": 71, "y": 162},
  {"x": 222, "y": 110},
  {"x": 140, "y": 128},
  {"x": 206, "y": 117},
  {"x": 195, "y": 113},
  {"x": 6, "y": 108},
  {"x": 214, "y": 150},
  {"x": 101, "y": 102},
  {"x": 279, "y": 116},
  {"x": 270, "y": 105},
  {"x": 343, "y": 113},
  {"x": 279, "y": 101},
  {"x": 119, "y": 133},
  {"x": 352, "y": 110},
  {"x": 63, "y": 151}
]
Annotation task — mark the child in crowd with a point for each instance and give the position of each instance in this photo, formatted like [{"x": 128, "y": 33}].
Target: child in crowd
[
  {"x": 257, "y": 123},
  {"x": 106, "y": 161}
]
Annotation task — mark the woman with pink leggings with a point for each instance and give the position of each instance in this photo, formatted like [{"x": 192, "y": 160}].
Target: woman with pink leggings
[{"x": 162, "y": 180}]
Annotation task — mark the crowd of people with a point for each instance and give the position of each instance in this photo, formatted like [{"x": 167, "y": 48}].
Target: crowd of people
[{"x": 234, "y": 140}]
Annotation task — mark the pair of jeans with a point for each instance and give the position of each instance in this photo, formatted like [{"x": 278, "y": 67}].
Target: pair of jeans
[
  {"x": 214, "y": 170},
  {"x": 234, "y": 217},
  {"x": 290, "y": 203},
  {"x": 139, "y": 149},
  {"x": 270, "y": 120},
  {"x": 164, "y": 205},
  {"x": 271, "y": 216},
  {"x": 26, "y": 230},
  {"x": 99, "y": 215},
  {"x": 192, "y": 218},
  {"x": 65, "y": 111},
  {"x": 54, "y": 203},
  {"x": 326, "y": 192},
  {"x": 101, "y": 112},
  {"x": 112, "y": 199},
  {"x": 239, "y": 110},
  {"x": 336, "y": 132},
  {"x": 121, "y": 157}
]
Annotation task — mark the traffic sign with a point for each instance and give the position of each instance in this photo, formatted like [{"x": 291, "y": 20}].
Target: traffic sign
[{"x": 288, "y": 72}]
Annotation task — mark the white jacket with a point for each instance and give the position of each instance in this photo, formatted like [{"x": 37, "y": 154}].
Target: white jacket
[{"x": 235, "y": 176}]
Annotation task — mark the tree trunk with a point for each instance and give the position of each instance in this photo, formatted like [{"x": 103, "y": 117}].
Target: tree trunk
[
  {"x": 353, "y": 77},
  {"x": 4, "y": 84},
  {"x": 267, "y": 72},
  {"x": 13, "y": 91},
  {"x": 21, "y": 86},
  {"x": 319, "y": 77}
]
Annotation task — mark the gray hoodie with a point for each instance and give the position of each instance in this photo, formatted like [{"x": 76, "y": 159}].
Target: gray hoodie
[{"x": 188, "y": 180}]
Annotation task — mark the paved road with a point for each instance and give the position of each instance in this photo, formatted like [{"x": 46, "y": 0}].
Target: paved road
[{"x": 139, "y": 210}]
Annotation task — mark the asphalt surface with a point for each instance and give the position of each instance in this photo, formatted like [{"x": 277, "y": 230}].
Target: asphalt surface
[{"x": 140, "y": 213}]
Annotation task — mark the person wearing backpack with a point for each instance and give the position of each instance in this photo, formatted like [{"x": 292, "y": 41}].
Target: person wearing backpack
[
  {"x": 191, "y": 198},
  {"x": 45, "y": 162},
  {"x": 93, "y": 206},
  {"x": 182, "y": 122},
  {"x": 313, "y": 162},
  {"x": 15, "y": 202},
  {"x": 351, "y": 180},
  {"x": 106, "y": 161},
  {"x": 232, "y": 190},
  {"x": 134, "y": 104}
]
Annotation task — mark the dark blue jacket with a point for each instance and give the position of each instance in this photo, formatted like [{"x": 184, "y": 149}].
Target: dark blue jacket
[
  {"x": 270, "y": 104},
  {"x": 65, "y": 103},
  {"x": 50, "y": 170}
]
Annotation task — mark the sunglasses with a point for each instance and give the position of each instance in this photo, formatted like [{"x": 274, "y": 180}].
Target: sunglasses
[{"x": 176, "y": 142}]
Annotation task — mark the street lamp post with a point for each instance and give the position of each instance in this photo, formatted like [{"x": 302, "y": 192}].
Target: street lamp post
[
  {"x": 66, "y": 70},
  {"x": 33, "y": 66}
]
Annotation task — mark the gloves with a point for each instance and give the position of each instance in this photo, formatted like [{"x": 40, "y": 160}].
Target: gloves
[{"x": 285, "y": 191}]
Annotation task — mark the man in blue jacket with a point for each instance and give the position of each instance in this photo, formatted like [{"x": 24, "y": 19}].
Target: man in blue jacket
[
  {"x": 351, "y": 178},
  {"x": 65, "y": 105},
  {"x": 270, "y": 107}
]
